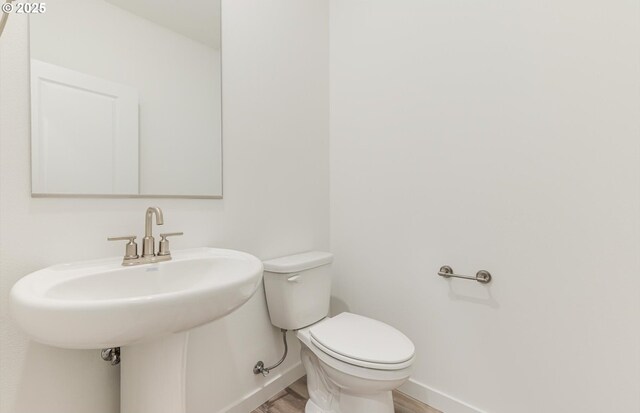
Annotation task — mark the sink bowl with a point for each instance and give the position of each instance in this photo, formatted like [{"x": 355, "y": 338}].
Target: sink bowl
[{"x": 100, "y": 304}]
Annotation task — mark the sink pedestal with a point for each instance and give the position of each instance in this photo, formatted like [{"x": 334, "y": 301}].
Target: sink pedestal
[{"x": 153, "y": 375}]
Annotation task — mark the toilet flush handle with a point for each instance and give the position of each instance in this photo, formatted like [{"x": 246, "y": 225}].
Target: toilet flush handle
[{"x": 294, "y": 278}]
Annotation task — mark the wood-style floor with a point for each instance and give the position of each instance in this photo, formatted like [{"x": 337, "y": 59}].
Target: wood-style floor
[{"x": 293, "y": 398}]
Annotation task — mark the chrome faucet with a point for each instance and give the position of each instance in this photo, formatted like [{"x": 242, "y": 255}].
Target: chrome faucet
[{"x": 149, "y": 255}]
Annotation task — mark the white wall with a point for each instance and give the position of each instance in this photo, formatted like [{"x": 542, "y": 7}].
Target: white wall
[
  {"x": 276, "y": 202},
  {"x": 180, "y": 115},
  {"x": 503, "y": 136}
]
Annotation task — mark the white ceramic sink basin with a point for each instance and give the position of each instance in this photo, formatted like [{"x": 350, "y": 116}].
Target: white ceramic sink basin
[{"x": 99, "y": 304}]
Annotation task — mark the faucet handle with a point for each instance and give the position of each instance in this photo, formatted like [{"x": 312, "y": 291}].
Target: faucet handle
[
  {"x": 130, "y": 238},
  {"x": 131, "y": 247},
  {"x": 163, "y": 248}
]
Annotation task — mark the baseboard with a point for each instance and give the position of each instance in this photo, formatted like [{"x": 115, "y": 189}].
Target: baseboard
[
  {"x": 252, "y": 400},
  {"x": 413, "y": 388},
  {"x": 436, "y": 398}
]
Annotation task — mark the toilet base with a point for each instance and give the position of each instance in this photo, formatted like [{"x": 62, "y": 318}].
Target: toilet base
[{"x": 311, "y": 407}]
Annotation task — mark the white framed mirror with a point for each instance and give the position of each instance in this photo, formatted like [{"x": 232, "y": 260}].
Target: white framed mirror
[{"x": 126, "y": 99}]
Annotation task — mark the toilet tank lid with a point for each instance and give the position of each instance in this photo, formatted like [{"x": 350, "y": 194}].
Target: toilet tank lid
[{"x": 298, "y": 262}]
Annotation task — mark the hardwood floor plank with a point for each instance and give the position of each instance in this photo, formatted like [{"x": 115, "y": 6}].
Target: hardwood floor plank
[
  {"x": 300, "y": 388},
  {"x": 287, "y": 402}
]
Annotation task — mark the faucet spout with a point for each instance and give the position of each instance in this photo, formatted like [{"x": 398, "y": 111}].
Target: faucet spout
[
  {"x": 149, "y": 216},
  {"x": 148, "y": 243}
]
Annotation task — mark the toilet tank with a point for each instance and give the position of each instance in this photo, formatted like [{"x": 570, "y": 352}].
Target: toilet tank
[{"x": 298, "y": 289}]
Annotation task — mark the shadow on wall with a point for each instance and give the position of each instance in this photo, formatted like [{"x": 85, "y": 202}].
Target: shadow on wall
[
  {"x": 209, "y": 345},
  {"x": 43, "y": 365},
  {"x": 337, "y": 306},
  {"x": 222, "y": 355},
  {"x": 469, "y": 292}
]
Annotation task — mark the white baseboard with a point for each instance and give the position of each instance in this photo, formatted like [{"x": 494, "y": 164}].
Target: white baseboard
[
  {"x": 413, "y": 388},
  {"x": 436, "y": 398},
  {"x": 252, "y": 400}
]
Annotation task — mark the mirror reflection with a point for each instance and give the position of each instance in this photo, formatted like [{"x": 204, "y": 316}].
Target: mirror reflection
[{"x": 126, "y": 98}]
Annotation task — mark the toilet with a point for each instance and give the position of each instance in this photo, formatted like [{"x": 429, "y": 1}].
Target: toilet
[{"x": 352, "y": 362}]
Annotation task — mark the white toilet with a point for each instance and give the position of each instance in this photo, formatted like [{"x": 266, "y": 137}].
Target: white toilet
[{"x": 352, "y": 362}]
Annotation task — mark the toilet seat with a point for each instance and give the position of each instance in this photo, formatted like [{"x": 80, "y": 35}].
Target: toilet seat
[
  {"x": 363, "y": 342},
  {"x": 350, "y": 369}
]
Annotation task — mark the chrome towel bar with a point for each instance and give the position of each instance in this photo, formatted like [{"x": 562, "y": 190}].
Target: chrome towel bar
[{"x": 481, "y": 276}]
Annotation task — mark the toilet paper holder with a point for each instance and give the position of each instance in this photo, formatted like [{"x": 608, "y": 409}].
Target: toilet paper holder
[{"x": 482, "y": 276}]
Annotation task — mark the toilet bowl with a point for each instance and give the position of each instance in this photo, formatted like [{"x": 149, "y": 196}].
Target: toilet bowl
[{"x": 352, "y": 362}]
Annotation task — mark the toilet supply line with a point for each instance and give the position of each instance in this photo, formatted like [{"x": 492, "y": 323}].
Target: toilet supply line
[{"x": 259, "y": 368}]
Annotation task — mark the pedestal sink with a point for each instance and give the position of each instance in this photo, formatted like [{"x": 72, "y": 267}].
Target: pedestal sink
[{"x": 146, "y": 310}]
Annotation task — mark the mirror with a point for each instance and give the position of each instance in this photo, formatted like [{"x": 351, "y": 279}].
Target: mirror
[{"x": 126, "y": 99}]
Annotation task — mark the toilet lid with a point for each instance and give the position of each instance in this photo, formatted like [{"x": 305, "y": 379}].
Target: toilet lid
[{"x": 362, "y": 341}]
